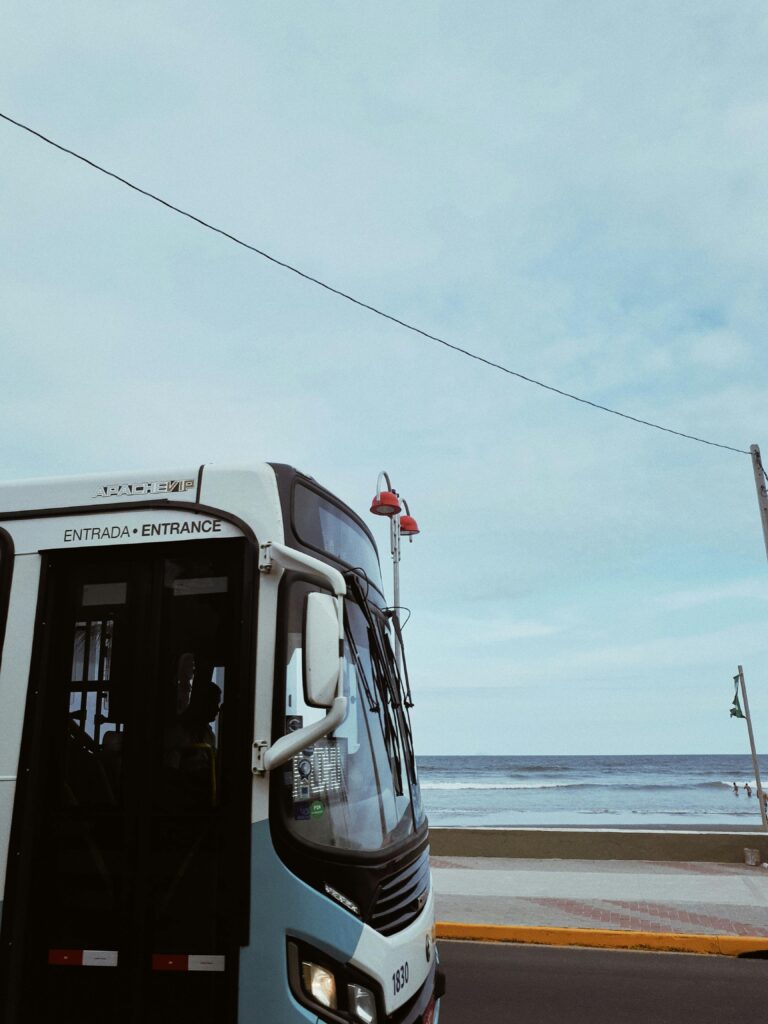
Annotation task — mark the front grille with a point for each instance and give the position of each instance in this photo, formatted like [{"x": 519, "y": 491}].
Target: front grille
[{"x": 401, "y": 897}]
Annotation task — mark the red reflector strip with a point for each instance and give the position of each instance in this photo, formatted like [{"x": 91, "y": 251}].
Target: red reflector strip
[
  {"x": 188, "y": 962},
  {"x": 429, "y": 1013},
  {"x": 67, "y": 957},
  {"x": 169, "y": 962},
  {"x": 83, "y": 957}
]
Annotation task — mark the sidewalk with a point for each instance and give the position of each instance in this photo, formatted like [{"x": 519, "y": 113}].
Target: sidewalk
[{"x": 640, "y": 896}]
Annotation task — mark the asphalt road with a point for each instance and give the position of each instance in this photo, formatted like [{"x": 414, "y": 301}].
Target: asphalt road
[{"x": 496, "y": 983}]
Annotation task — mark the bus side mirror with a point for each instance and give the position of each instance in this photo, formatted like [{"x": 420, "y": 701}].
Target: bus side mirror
[
  {"x": 323, "y": 653},
  {"x": 322, "y": 650}
]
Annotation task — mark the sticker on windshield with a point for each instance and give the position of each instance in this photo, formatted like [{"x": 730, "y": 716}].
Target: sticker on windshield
[
  {"x": 317, "y": 808},
  {"x": 301, "y": 811}
]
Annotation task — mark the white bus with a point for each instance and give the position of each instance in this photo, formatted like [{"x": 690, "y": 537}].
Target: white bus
[{"x": 209, "y": 806}]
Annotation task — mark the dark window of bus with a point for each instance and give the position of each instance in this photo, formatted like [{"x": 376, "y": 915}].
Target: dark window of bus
[
  {"x": 324, "y": 526},
  {"x": 192, "y": 798},
  {"x": 142, "y": 709},
  {"x": 88, "y": 694},
  {"x": 92, "y": 766},
  {"x": 196, "y": 645},
  {"x": 6, "y": 567},
  {"x": 346, "y": 790}
]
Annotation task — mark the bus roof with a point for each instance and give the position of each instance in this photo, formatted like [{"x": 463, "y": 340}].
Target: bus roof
[
  {"x": 244, "y": 495},
  {"x": 66, "y": 492}
]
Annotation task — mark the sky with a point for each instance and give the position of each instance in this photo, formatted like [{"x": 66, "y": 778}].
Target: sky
[{"x": 576, "y": 191}]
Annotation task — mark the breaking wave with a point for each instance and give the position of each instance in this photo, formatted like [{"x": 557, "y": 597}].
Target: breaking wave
[{"x": 576, "y": 785}]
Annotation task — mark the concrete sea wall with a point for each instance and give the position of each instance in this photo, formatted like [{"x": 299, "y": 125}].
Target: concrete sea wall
[{"x": 602, "y": 844}]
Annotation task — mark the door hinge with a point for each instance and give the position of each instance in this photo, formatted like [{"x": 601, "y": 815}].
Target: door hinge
[
  {"x": 260, "y": 748},
  {"x": 265, "y": 557}
]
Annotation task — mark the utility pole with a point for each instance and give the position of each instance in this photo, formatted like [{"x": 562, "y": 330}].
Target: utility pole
[
  {"x": 762, "y": 493},
  {"x": 740, "y": 680},
  {"x": 762, "y": 501}
]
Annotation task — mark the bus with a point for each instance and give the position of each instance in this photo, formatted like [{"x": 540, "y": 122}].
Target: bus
[{"x": 209, "y": 805}]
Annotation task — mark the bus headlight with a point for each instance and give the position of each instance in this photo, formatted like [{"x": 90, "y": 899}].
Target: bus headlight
[
  {"x": 320, "y": 983},
  {"x": 331, "y": 990},
  {"x": 362, "y": 1004}
]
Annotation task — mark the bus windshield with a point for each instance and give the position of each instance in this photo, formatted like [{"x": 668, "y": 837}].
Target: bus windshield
[
  {"x": 356, "y": 789},
  {"x": 321, "y": 524}
]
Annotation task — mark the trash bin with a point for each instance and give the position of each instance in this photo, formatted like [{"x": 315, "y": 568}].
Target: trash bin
[{"x": 751, "y": 857}]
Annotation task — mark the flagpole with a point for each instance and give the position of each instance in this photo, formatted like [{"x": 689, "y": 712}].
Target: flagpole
[{"x": 758, "y": 783}]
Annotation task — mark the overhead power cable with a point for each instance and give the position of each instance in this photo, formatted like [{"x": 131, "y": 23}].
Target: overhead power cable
[{"x": 360, "y": 302}]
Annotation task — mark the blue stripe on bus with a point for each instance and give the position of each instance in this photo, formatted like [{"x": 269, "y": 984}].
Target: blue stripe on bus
[{"x": 282, "y": 905}]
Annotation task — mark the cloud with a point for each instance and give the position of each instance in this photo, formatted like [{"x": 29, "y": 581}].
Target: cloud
[
  {"x": 739, "y": 590},
  {"x": 719, "y": 350},
  {"x": 473, "y": 632}
]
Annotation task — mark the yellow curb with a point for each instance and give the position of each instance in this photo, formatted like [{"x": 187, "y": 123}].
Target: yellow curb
[
  {"x": 734, "y": 945},
  {"x": 604, "y": 938}
]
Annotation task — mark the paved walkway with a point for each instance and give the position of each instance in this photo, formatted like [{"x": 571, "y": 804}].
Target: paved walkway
[{"x": 710, "y": 899}]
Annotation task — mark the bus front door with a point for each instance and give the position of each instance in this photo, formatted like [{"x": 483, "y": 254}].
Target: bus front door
[{"x": 126, "y": 816}]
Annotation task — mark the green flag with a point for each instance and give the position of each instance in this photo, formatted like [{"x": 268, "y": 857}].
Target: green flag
[{"x": 736, "y": 711}]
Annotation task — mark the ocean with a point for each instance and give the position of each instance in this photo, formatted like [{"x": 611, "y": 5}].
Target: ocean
[{"x": 635, "y": 791}]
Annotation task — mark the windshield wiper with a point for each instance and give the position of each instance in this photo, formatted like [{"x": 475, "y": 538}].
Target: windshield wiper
[
  {"x": 387, "y": 703},
  {"x": 408, "y": 699},
  {"x": 373, "y": 704},
  {"x": 405, "y": 700},
  {"x": 394, "y": 691}
]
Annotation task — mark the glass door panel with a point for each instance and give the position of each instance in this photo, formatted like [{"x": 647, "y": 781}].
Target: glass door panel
[{"x": 130, "y": 914}]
